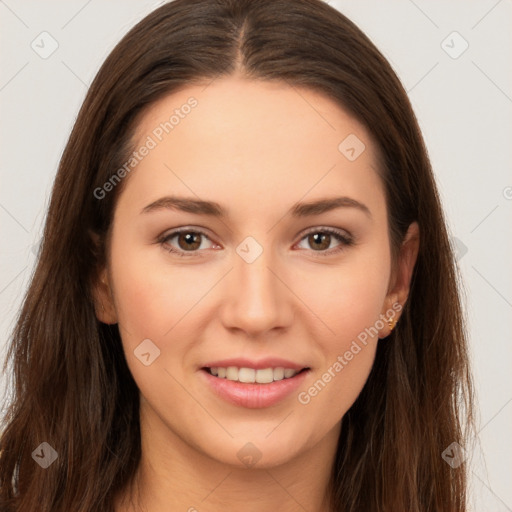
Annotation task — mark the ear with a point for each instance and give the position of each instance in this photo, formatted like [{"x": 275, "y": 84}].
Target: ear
[
  {"x": 103, "y": 300},
  {"x": 102, "y": 294},
  {"x": 401, "y": 279}
]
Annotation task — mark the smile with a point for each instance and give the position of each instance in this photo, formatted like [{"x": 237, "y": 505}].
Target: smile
[
  {"x": 251, "y": 375},
  {"x": 261, "y": 387}
]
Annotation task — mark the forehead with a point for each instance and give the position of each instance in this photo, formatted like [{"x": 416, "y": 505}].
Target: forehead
[{"x": 255, "y": 141}]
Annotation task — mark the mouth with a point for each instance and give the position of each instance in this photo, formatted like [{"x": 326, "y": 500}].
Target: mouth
[
  {"x": 253, "y": 388},
  {"x": 253, "y": 376}
]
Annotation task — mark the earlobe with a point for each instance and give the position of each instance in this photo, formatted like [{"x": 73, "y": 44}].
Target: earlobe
[
  {"x": 103, "y": 301},
  {"x": 398, "y": 295},
  {"x": 101, "y": 289},
  {"x": 390, "y": 315}
]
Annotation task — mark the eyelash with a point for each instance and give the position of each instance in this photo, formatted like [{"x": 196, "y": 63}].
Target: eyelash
[{"x": 346, "y": 241}]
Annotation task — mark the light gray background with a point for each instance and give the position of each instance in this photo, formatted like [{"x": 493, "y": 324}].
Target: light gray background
[{"x": 463, "y": 104}]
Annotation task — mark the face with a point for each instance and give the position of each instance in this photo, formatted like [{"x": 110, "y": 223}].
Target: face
[{"x": 257, "y": 280}]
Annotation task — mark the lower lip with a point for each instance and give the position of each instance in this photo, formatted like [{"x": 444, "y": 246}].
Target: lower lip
[{"x": 254, "y": 396}]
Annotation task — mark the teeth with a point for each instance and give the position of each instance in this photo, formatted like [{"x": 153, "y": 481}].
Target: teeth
[
  {"x": 250, "y": 375},
  {"x": 245, "y": 375},
  {"x": 232, "y": 373},
  {"x": 279, "y": 373}
]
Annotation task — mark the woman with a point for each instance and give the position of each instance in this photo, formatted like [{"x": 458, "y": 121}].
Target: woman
[{"x": 246, "y": 296}]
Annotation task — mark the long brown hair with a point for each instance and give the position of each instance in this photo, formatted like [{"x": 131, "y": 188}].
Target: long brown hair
[{"x": 71, "y": 384}]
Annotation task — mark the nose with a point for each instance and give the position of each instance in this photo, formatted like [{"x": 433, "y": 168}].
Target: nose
[{"x": 257, "y": 297}]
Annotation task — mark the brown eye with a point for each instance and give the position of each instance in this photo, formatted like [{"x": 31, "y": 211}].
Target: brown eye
[
  {"x": 320, "y": 241},
  {"x": 189, "y": 240}
]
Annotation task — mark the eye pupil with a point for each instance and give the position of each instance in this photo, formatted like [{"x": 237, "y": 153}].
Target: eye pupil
[
  {"x": 192, "y": 240},
  {"x": 320, "y": 238}
]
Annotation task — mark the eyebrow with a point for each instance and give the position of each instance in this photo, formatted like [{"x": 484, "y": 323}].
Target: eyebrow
[{"x": 200, "y": 207}]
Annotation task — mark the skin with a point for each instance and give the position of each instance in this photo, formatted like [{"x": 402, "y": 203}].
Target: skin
[{"x": 256, "y": 148}]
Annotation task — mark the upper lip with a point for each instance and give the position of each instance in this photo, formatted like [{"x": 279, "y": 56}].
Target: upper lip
[{"x": 267, "y": 362}]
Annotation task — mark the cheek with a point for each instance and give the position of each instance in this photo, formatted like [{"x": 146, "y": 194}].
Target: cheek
[
  {"x": 346, "y": 297},
  {"x": 347, "y": 302},
  {"x": 151, "y": 296},
  {"x": 154, "y": 301}
]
